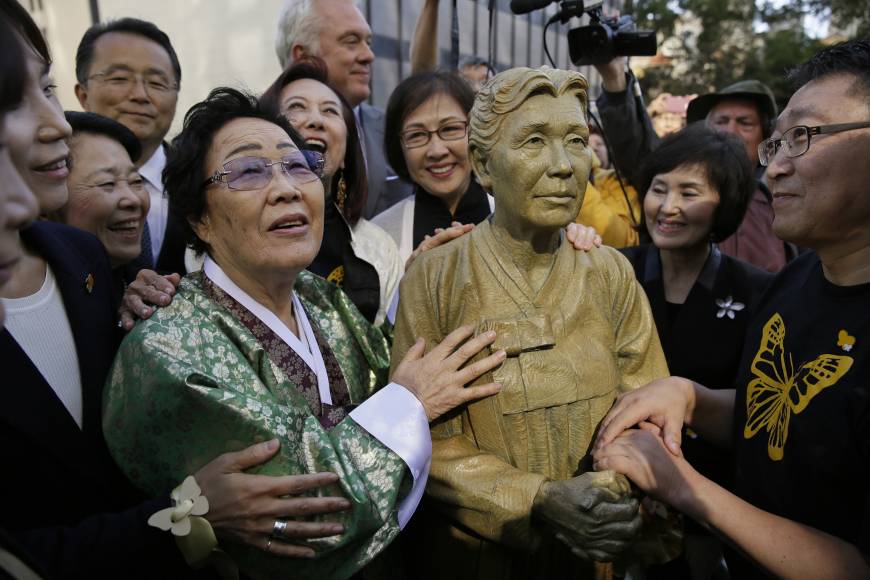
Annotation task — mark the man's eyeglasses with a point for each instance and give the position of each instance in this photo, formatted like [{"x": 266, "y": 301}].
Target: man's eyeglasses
[
  {"x": 250, "y": 173},
  {"x": 414, "y": 138},
  {"x": 796, "y": 141},
  {"x": 123, "y": 81}
]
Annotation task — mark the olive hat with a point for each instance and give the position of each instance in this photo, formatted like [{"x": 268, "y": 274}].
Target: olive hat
[{"x": 750, "y": 89}]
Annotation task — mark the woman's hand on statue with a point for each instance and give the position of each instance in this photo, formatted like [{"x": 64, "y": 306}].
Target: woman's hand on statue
[
  {"x": 641, "y": 455},
  {"x": 147, "y": 291},
  {"x": 594, "y": 514},
  {"x": 439, "y": 237},
  {"x": 666, "y": 403},
  {"x": 583, "y": 238},
  {"x": 244, "y": 507},
  {"x": 438, "y": 378}
]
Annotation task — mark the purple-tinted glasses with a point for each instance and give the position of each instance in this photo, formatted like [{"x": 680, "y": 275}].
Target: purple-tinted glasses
[{"x": 248, "y": 173}]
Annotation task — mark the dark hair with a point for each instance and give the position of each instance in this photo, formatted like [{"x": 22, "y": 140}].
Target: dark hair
[
  {"x": 85, "y": 51},
  {"x": 100, "y": 125},
  {"x": 354, "y": 171},
  {"x": 851, "y": 58},
  {"x": 410, "y": 94},
  {"x": 723, "y": 158},
  {"x": 19, "y": 20},
  {"x": 185, "y": 170},
  {"x": 13, "y": 71}
]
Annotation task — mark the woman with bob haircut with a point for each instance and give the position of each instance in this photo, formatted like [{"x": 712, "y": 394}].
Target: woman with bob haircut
[
  {"x": 426, "y": 142},
  {"x": 695, "y": 189},
  {"x": 254, "y": 347}
]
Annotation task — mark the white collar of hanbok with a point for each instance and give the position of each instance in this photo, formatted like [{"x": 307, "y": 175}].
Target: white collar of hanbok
[{"x": 305, "y": 345}]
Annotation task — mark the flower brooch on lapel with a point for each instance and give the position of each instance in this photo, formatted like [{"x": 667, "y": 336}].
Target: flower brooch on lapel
[{"x": 728, "y": 307}]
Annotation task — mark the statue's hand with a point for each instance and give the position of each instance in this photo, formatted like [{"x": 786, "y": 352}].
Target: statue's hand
[{"x": 593, "y": 514}]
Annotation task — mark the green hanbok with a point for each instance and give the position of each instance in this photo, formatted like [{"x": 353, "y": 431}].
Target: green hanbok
[{"x": 194, "y": 382}]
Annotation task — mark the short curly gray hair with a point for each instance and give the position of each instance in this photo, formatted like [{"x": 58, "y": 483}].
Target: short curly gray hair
[
  {"x": 298, "y": 23},
  {"x": 506, "y": 91}
]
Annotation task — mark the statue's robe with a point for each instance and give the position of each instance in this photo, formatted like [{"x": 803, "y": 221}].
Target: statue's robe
[
  {"x": 202, "y": 377},
  {"x": 586, "y": 336}
]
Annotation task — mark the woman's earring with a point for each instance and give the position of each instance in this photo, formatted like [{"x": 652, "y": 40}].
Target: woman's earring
[{"x": 341, "y": 194}]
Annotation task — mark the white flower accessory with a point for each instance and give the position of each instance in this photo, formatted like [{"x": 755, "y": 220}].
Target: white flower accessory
[
  {"x": 728, "y": 307},
  {"x": 188, "y": 502},
  {"x": 194, "y": 536}
]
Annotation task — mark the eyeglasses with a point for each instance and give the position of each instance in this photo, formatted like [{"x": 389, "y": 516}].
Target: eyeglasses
[
  {"x": 123, "y": 81},
  {"x": 249, "y": 173},
  {"x": 414, "y": 138},
  {"x": 796, "y": 141}
]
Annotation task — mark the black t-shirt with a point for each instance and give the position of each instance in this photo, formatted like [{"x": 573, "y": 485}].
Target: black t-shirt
[{"x": 802, "y": 412}]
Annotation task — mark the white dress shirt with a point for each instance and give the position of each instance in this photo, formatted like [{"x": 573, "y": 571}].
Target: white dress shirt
[{"x": 158, "y": 215}]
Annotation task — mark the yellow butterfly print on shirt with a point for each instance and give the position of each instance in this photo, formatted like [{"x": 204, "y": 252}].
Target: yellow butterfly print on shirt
[{"x": 777, "y": 390}]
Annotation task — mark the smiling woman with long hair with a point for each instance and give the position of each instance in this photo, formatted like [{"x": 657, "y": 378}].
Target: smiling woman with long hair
[{"x": 356, "y": 255}]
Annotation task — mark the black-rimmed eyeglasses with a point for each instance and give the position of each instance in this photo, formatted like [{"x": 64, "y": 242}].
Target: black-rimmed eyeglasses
[
  {"x": 796, "y": 141},
  {"x": 414, "y": 138},
  {"x": 249, "y": 173}
]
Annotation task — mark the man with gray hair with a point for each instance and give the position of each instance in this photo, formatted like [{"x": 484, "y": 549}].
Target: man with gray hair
[{"x": 337, "y": 32}]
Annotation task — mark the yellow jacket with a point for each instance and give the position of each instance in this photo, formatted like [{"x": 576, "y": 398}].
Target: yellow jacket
[{"x": 605, "y": 209}]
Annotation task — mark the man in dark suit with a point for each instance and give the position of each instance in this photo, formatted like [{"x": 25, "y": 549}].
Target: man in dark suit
[
  {"x": 337, "y": 32},
  {"x": 127, "y": 70}
]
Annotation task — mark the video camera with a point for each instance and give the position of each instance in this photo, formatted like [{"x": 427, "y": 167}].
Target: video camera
[{"x": 600, "y": 41}]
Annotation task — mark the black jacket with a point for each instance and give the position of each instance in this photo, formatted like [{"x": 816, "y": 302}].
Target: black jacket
[{"x": 61, "y": 495}]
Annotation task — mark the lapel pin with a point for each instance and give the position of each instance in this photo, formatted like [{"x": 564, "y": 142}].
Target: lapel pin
[
  {"x": 845, "y": 340},
  {"x": 728, "y": 307},
  {"x": 89, "y": 283}
]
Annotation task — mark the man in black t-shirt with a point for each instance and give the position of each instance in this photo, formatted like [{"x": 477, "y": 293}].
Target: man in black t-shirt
[{"x": 799, "y": 418}]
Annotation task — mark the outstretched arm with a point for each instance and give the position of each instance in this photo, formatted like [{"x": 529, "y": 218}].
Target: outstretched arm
[
  {"x": 783, "y": 547},
  {"x": 669, "y": 404},
  {"x": 424, "y": 45},
  {"x": 627, "y": 125}
]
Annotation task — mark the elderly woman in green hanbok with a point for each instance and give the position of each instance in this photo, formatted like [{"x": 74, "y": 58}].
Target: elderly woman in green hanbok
[{"x": 253, "y": 348}]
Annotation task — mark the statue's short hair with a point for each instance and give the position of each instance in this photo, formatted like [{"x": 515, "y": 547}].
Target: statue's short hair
[{"x": 507, "y": 91}]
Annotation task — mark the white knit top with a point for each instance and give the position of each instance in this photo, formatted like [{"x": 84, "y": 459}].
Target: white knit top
[{"x": 39, "y": 324}]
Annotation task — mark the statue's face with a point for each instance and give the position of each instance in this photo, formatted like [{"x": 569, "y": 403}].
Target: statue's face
[{"x": 538, "y": 169}]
